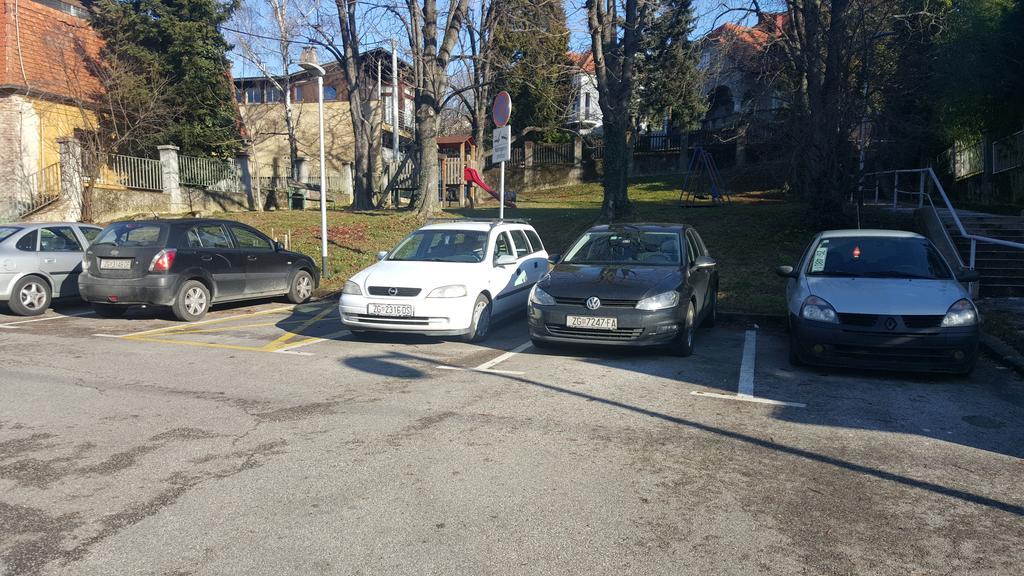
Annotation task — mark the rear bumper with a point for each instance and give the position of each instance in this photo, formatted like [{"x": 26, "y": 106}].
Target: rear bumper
[
  {"x": 941, "y": 350},
  {"x": 155, "y": 290},
  {"x": 636, "y": 328}
]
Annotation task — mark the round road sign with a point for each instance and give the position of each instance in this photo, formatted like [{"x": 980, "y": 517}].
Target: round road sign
[{"x": 502, "y": 109}]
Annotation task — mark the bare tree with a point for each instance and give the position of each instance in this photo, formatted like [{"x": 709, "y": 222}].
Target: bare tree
[
  {"x": 615, "y": 33},
  {"x": 431, "y": 46}
]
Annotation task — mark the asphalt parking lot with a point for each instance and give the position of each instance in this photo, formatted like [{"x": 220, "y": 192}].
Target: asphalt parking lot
[{"x": 266, "y": 440}]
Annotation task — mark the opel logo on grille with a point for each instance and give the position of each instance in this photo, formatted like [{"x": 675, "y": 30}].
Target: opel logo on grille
[
  {"x": 392, "y": 291},
  {"x": 890, "y": 324},
  {"x": 114, "y": 252},
  {"x": 593, "y": 303}
]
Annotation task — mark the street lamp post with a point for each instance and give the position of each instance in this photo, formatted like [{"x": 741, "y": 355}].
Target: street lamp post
[{"x": 308, "y": 62}]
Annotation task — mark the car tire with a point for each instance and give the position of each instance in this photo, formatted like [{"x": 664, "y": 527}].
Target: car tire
[
  {"x": 480, "y": 325},
  {"x": 109, "y": 310},
  {"x": 192, "y": 302},
  {"x": 794, "y": 350},
  {"x": 683, "y": 345},
  {"x": 302, "y": 287},
  {"x": 31, "y": 296},
  {"x": 969, "y": 367},
  {"x": 711, "y": 316}
]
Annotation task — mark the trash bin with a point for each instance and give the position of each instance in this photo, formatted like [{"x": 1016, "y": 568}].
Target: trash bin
[{"x": 298, "y": 200}]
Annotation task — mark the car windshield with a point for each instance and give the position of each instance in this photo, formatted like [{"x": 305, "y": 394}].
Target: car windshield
[
  {"x": 7, "y": 231},
  {"x": 877, "y": 257},
  {"x": 441, "y": 246},
  {"x": 626, "y": 246},
  {"x": 133, "y": 234}
]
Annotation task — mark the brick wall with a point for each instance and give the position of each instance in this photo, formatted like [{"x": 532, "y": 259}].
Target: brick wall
[{"x": 47, "y": 50}]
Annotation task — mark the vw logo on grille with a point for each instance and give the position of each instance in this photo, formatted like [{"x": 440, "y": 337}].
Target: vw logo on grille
[
  {"x": 392, "y": 291},
  {"x": 593, "y": 303},
  {"x": 890, "y": 324}
]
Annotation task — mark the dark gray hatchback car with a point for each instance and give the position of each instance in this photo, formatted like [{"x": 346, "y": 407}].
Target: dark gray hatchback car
[{"x": 189, "y": 265}]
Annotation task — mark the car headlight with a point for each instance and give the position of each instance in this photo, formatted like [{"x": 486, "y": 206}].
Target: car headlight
[
  {"x": 816, "y": 309},
  {"x": 352, "y": 289},
  {"x": 961, "y": 313},
  {"x": 541, "y": 298},
  {"x": 659, "y": 301},
  {"x": 453, "y": 291}
]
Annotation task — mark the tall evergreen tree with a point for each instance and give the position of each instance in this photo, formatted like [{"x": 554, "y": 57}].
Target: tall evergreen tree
[
  {"x": 530, "y": 56},
  {"x": 178, "y": 40},
  {"x": 668, "y": 83}
]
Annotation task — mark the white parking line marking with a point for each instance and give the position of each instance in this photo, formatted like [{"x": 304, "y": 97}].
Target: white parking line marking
[
  {"x": 77, "y": 314},
  {"x": 746, "y": 387},
  {"x": 483, "y": 370},
  {"x": 749, "y": 399},
  {"x": 491, "y": 363}
]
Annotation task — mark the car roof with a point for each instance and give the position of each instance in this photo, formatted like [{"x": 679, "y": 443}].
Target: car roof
[
  {"x": 474, "y": 225},
  {"x": 645, "y": 226},
  {"x": 182, "y": 221},
  {"x": 869, "y": 234},
  {"x": 41, "y": 224}
]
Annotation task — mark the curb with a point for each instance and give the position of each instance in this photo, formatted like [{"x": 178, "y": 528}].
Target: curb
[{"x": 1002, "y": 352}]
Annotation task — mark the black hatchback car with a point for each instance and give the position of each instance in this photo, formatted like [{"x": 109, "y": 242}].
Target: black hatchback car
[
  {"x": 189, "y": 265},
  {"x": 633, "y": 285}
]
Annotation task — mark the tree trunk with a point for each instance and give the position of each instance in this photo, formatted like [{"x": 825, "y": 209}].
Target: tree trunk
[
  {"x": 616, "y": 204},
  {"x": 426, "y": 142}
]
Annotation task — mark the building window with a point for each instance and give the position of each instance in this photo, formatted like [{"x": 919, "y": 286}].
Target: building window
[
  {"x": 330, "y": 93},
  {"x": 239, "y": 95},
  {"x": 273, "y": 94},
  {"x": 297, "y": 94},
  {"x": 252, "y": 95},
  {"x": 586, "y": 104}
]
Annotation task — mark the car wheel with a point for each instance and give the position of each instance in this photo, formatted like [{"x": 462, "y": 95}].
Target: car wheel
[
  {"x": 480, "y": 325},
  {"x": 109, "y": 310},
  {"x": 969, "y": 367},
  {"x": 302, "y": 287},
  {"x": 794, "y": 350},
  {"x": 192, "y": 302},
  {"x": 683, "y": 345},
  {"x": 711, "y": 316},
  {"x": 30, "y": 296}
]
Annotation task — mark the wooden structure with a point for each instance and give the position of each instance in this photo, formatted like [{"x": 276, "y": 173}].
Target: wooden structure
[{"x": 455, "y": 153}]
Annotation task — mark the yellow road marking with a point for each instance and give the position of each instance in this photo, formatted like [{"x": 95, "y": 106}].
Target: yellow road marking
[
  {"x": 283, "y": 340},
  {"x": 238, "y": 327},
  {"x": 179, "y": 328},
  {"x": 202, "y": 344},
  {"x": 312, "y": 340}
]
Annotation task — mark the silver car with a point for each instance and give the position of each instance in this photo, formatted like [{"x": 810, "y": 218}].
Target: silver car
[
  {"x": 880, "y": 299},
  {"x": 40, "y": 262}
]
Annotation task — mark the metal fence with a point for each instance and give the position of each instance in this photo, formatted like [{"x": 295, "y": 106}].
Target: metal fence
[
  {"x": 208, "y": 173},
  {"x": 41, "y": 189},
  {"x": 553, "y": 154},
  {"x": 130, "y": 172},
  {"x": 647, "y": 143},
  {"x": 1008, "y": 153},
  {"x": 965, "y": 160}
]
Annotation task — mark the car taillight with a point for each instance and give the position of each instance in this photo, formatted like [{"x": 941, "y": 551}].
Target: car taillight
[{"x": 163, "y": 260}]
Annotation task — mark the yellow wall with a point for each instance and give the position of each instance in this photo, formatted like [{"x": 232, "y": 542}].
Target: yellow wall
[
  {"x": 58, "y": 121},
  {"x": 266, "y": 127}
]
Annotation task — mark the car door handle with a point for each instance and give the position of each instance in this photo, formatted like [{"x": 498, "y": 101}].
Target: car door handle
[
  {"x": 251, "y": 258},
  {"x": 206, "y": 258},
  {"x": 49, "y": 260}
]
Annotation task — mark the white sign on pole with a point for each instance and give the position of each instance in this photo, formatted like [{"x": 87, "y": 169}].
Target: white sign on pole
[{"x": 502, "y": 145}]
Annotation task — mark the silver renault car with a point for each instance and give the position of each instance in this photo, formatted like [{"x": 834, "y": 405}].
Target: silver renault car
[
  {"x": 40, "y": 262},
  {"x": 881, "y": 299}
]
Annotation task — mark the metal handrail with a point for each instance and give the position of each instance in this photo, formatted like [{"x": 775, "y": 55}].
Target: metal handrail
[{"x": 974, "y": 238}]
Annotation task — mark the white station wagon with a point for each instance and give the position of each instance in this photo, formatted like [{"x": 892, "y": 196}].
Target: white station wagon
[{"x": 447, "y": 279}]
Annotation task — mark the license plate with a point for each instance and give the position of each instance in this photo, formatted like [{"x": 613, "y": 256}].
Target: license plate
[
  {"x": 592, "y": 322},
  {"x": 389, "y": 310},
  {"x": 116, "y": 263}
]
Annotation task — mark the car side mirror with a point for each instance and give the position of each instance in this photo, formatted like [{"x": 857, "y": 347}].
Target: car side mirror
[
  {"x": 786, "y": 272},
  {"x": 968, "y": 275},
  {"x": 382, "y": 254},
  {"x": 703, "y": 262},
  {"x": 505, "y": 260},
  {"x": 278, "y": 246},
  {"x": 554, "y": 258}
]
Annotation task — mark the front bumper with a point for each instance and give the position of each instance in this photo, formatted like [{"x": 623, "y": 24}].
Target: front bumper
[
  {"x": 635, "y": 327},
  {"x": 153, "y": 289},
  {"x": 937, "y": 350},
  {"x": 431, "y": 316}
]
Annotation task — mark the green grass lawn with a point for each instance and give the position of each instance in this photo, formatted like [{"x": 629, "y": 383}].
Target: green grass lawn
[{"x": 749, "y": 237}]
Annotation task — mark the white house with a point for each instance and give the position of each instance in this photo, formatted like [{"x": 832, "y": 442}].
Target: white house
[{"x": 586, "y": 112}]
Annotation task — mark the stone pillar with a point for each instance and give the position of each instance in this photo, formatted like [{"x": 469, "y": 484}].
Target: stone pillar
[
  {"x": 245, "y": 178},
  {"x": 347, "y": 191},
  {"x": 684, "y": 152},
  {"x": 70, "y": 150},
  {"x": 170, "y": 176},
  {"x": 301, "y": 171},
  {"x": 577, "y": 152}
]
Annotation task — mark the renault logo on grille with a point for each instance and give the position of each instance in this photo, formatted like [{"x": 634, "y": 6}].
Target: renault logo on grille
[
  {"x": 890, "y": 324},
  {"x": 593, "y": 302},
  {"x": 392, "y": 291}
]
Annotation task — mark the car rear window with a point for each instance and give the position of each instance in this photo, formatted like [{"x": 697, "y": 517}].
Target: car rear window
[
  {"x": 7, "y": 231},
  {"x": 135, "y": 234},
  {"x": 877, "y": 257}
]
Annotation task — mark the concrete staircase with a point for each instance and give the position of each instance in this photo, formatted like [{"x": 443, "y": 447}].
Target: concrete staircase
[{"x": 1001, "y": 267}]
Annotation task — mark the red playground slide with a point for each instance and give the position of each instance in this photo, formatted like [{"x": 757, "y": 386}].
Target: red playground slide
[{"x": 473, "y": 177}]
